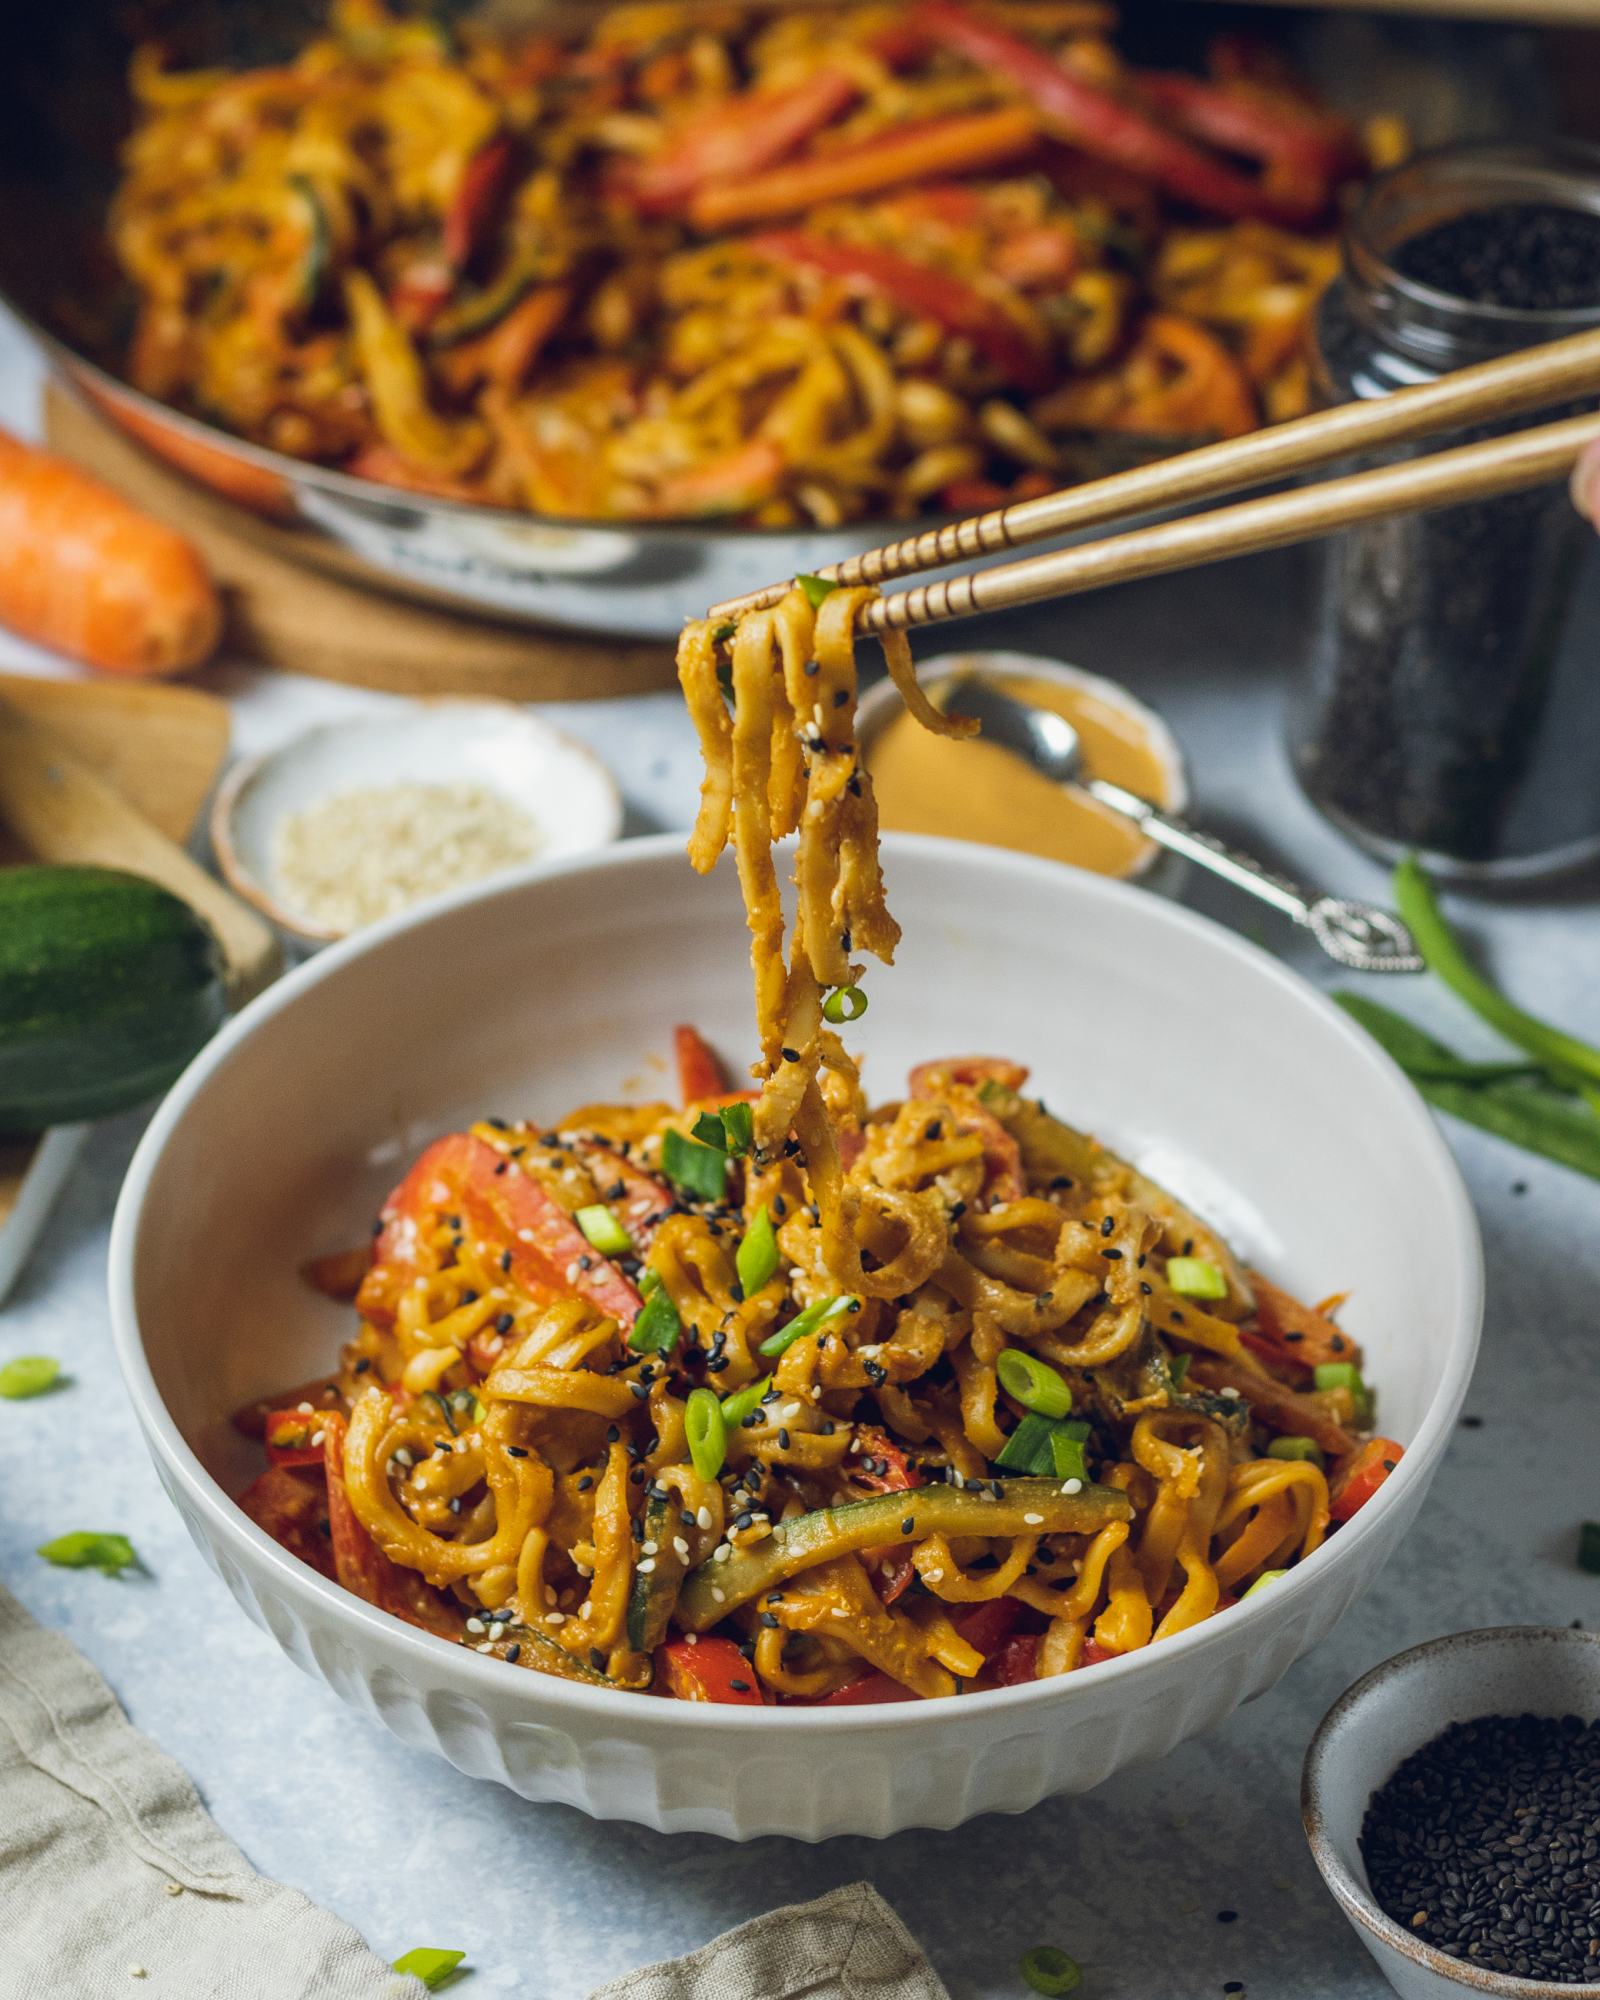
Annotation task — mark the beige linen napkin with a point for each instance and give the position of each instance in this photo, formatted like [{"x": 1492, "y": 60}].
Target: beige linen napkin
[{"x": 115, "y": 1881}]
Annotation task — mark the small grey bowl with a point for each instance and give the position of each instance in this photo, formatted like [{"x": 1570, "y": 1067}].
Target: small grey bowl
[{"x": 1391, "y": 1712}]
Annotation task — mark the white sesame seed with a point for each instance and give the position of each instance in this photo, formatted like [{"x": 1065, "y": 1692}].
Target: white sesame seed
[
  {"x": 305, "y": 1409},
  {"x": 475, "y": 1625},
  {"x": 646, "y": 1566},
  {"x": 524, "y": 1235},
  {"x": 485, "y": 1646},
  {"x": 681, "y": 1547},
  {"x": 497, "y": 1630},
  {"x": 718, "y": 1596},
  {"x": 703, "y": 1518},
  {"x": 722, "y": 1552},
  {"x": 693, "y": 1638},
  {"x": 1229, "y": 1395},
  {"x": 555, "y": 1618},
  {"x": 649, "y": 1548},
  {"x": 1034, "y": 1520},
  {"x": 1073, "y": 1486},
  {"x": 402, "y": 1457},
  {"x": 586, "y": 1609},
  {"x": 574, "y": 1271},
  {"x": 317, "y": 1437}
]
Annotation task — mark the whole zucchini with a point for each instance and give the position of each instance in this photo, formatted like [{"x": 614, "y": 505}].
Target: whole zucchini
[{"x": 108, "y": 985}]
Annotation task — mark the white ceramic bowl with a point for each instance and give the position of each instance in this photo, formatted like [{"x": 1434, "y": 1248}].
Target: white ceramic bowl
[
  {"x": 1374, "y": 1726},
  {"x": 1191, "y": 1049},
  {"x": 558, "y": 782}
]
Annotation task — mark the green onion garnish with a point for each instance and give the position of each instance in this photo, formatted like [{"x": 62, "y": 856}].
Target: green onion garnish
[
  {"x": 693, "y": 1168},
  {"x": 1178, "y": 1368},
  {"x": 725, "y": 680},
  {"x": 806, "y": 1322},
  {"x": 738, "y": 1406},
  {"x": 28, "y": 1375},
  {"x": 649, "y": 1281},
  {"x": 1033, "y": 1382},
  {"x": 724, "y": 631},
  {"x": 708, "y": 1129},
  {"x": 111, "y": 1554},
  {"x": 1067, "y": 1455},
  {"x": 1047, "y": 1970},
  {"x": 1032, "y": 1447},
  {"x": 604, "y": 1231},
  {"x": 1196, "y": 1278},
  {"x": 1296, "y": 1447},
  {"x": 739, "y": 1128},
  {"x": 757, "y": 1255},
  {"x": 1344, "y": 1375},
  {"x": 656, "y": 1329},
  {"x": 1589, "y": 1547},
  {"x": 427, "y": 1963},
  {"x": 1267, "y": 1576},
  {"x": 706, "y": 1428},
  {"x": 444, "y": 1409},
  {"x": 816, "y": 589},
  {"x": 844, "y": 1003}
]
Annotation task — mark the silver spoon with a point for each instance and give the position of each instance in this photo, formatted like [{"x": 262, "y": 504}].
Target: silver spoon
[{"x": 1358, "y": 935}]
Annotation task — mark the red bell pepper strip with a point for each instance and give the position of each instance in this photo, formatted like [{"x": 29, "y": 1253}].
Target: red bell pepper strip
[
  {"x": 700, "y": 1071},
  {"x": 918, "y": 289},
  {"x": 1304, "y": 153},
  {"x": 1092, "y": 119},
  {"x": 709, "y": 1670},
  {"x": 512, "y": 1215},
  {"x": 891, "y": 1571},
  {"x": 879, "y": 1464},
  {"x": 987, "y": 1626},
  {"x": 742, "y": 137},
  {"x": 1366, "y": 1472},
  {"x": 288, "y": 1437},
  {"x": 1002, "y": 1155},
  {"x": 361, "y": 1566},
  {"x": 1015, "y": 1662},
  {"x": 483, "y": 184},
  {"x": 869, "y": 1690},
  {"x": 294, "y": 1511},
  {"x": 1306, "y": 1332},
  {"x": 1093, "y": 1653},
  {"x": 1283, "y": 1360},
  {"x": 250, "y": 1419},
  {"x": 929, "y": 1078}
]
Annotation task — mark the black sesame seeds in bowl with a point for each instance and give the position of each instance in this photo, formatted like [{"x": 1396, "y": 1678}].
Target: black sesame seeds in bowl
[{"x": 1452, "y": 1802}]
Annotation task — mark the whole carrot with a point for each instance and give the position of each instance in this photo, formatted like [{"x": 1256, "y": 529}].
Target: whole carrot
[{"x": 85, "y": 573}]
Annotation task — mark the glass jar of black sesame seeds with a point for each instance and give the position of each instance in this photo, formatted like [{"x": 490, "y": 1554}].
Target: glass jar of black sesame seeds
[{"x": 1453, "y": 701}]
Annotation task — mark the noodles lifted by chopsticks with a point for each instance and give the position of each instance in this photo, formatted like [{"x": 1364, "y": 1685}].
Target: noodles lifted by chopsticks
[{"x": 781, "y": 758}]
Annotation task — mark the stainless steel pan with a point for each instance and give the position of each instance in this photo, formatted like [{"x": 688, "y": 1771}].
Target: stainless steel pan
[{"x": 63, "y": 113}]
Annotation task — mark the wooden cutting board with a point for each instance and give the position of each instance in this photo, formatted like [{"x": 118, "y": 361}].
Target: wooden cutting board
[
  {"x": 162, "y": 748},
  {"x": 283, "y": 612}
]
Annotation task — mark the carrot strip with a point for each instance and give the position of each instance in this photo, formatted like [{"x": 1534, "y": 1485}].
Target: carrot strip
[{"x": 949, "y": 146}]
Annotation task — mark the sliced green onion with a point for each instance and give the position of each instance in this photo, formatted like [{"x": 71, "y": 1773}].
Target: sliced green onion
[
  {"x": 708, "y": 1129},
  {"x": 1178, "y": 1368},
  {"x": 1196, "y": 1278},
  {"x": 1344, "y": 1375},
  {"x": 1031, "y": 1447},
  {"x": 756, "y": 1258},
  {"x": 111, "y": 1554},
  {"x": 738, "y": 1128},
  {"x": 725, "y": 680},
  {"x": 1035, "y": 1384},
  {"x": 815, "y": 1315},
  {"x": 28, "y": 1375},
  {"x": 649, "y": 1281},
  {"x": 444, "y": 1409},
  {"x": 706, "y": 1428},
  {"x": 1046, "y": 1970},
  {"x": 724, "y": 631},
  {"x": 1296, "y": 1448},
  {"x": 816, "y": 589},
  {"x": 656, "y": 1329},
  {"x": 844, "y": 1003},
  {"x": 429, "y": 1964},
  {"x": 1267, "y": 1576},
  {"x": 604, "y": 1231},
  {"x": 738, "y": 1406},
  {"x": 1067, "y": 1455},
  {"x": 693, "y": 1168}
]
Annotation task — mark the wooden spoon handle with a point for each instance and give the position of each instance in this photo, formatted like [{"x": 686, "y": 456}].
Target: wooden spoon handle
[{"x": 62, "y": 810}]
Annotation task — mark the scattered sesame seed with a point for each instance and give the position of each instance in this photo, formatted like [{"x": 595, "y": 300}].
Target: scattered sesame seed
[
  {"x": 1073, "y": 1486},
  {"x": 1034, "y": 1520},
  {"x": 718, "y": 1596},
  {"x": 475, "y": 1625}
]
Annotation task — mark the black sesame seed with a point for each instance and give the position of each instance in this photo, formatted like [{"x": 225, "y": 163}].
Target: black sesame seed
[
  {"x": 586, "y": 1482},
  {"x": 515, "y": 1451},
  {"x": 1108, "y": 1226},
  {"x": 514, "y": 1652},
  {"x": 1227, "y": 1916},
  {"x": 597, "y": 1659}
]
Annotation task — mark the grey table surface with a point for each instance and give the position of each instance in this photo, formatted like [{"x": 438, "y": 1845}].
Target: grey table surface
[{"x": 1132, "y": 1879}]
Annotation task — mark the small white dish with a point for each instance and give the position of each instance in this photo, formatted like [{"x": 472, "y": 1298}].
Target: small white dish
[
  {"x": 558, "y": 782},
  {"x": 1155, "y": 867},
  {"x": 1390, "y": 1713}
]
